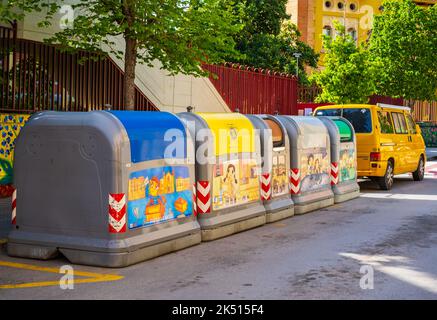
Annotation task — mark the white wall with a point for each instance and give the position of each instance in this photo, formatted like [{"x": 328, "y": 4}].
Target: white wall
[{"x": 168, "y": 93}]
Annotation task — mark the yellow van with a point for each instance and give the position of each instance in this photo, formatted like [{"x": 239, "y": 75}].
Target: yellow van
[{"x": 388, "y": 140}]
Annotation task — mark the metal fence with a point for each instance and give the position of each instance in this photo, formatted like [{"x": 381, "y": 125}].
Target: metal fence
[
  {"x": 255, "y": 91},
  {"x": 308, "y": 94},
  {"x": 35, "y": 76}
]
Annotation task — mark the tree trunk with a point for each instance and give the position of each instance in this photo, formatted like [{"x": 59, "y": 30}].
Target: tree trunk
[{"x": 130, "y": 61}]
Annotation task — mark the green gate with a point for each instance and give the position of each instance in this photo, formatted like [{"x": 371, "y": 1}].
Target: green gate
[{"x": 429, "y": 133}]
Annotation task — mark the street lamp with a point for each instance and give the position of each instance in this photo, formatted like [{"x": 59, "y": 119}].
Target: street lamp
[{"x": 297, "y": 55}]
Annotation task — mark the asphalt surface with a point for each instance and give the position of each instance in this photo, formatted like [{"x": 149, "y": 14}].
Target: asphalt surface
[{"x": 318, "y": 255}]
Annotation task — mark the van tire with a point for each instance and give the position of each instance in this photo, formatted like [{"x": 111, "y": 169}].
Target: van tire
[
  {"x": 419, "y": 174},
  {"x": 386, "y": 182}
]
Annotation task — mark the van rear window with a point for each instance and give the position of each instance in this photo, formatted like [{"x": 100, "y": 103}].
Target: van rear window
[
  {"x": 329, "y": 112},
  {"x": 360, "y": 118}
]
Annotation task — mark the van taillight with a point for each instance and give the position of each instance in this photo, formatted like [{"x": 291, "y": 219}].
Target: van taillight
[{"x": 375, "y": 156}]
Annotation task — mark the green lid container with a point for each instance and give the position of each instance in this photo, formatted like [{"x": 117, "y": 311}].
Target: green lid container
[{"x": 345, "y": 130}]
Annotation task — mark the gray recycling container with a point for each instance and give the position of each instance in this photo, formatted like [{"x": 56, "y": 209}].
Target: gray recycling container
[
  {"x": 103, "y": 188},
  {"x": 275, "y": 154},
  {"x": 343, "y": 158},
  {"x": 227, "y": 173},
  {"x": 310, "y": 158}
]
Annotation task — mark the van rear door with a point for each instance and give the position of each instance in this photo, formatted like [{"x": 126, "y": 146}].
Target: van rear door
[{"x": 361, "y": 120}]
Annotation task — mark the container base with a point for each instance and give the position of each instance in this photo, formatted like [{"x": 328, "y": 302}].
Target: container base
[
  {"x": 304, "y": 208},
  {"x": 279, "y": 215},
  {"x": 102, "y": 259},
  {"x": 339, "y": 198},
  {"x": 227, "y": 230}
]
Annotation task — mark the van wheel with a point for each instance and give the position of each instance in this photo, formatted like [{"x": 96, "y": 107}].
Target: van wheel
[
  {"x": 419, "y": 174},
  {"x": 386, "y": 182}
]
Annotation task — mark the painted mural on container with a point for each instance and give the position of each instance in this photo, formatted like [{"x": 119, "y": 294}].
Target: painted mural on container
[
  {"x": 315, "y": 169},
  {"x": 10, "y": 126},
  {"x": 159, "y": 195},
  {"x": 235, "y": 182},
  {"x": 279, "y": 176},
  {"x": 347, "y": 165}
]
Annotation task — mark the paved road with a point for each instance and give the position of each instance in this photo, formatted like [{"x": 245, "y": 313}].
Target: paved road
[{"x": 317, "y": 255}]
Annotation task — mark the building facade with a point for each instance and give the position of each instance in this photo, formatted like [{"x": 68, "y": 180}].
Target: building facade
[{"x": 316, "y": 17}]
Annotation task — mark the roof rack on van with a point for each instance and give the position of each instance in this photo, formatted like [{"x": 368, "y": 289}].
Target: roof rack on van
[{"x": 384, "y": 105}]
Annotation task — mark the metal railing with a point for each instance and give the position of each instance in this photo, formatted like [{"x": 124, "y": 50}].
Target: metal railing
[
  {"x": 36, "y": 76},
  {"x": 254, "y": 91},
  {"x": 307, "y": 94}
]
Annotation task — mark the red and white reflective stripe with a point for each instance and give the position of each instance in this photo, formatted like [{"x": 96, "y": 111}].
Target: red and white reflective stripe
[
  {"x": 14, "y": 207},
  {"x": 294, "y": 181},
  {"x": 266, "y": 191},
  {"x": 117, "y": 213},
  {"x": 334, "y": 173},
  {"x": 203, "y": 197},
  {"x": 194, "y": 200}
]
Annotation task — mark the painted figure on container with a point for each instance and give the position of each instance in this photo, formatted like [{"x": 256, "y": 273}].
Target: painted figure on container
[
  {"x": 155, "y": 208},
  {"x": 231, "y": 183}
]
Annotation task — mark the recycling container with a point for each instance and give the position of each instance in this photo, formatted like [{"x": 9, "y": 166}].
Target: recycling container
[
  {"x": 275, "y": 154},
  {"x": 310, "y": 159},
  {"x": 227, "y": 173},
  {"x": 103, "y": 188},
  {"x": 343, "y": 158}
]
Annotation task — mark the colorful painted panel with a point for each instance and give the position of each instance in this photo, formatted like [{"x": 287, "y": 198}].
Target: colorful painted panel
[
  {"x": 348, "y": 166},
  {"x": 279, "y": 174},
  {"x": 159, "y": 195},
  {"x": 10, "y": 126},
  {"x": 315, "y": 169},
  {"x": 235, "y": 182},
  {"x": 429, "y": 134}
]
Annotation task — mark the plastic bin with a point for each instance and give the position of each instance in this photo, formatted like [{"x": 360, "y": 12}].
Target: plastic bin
[
  {"x": 275, "y": 153},
  {"x": 343, "y": 158},
  {"x": 227, "y": 173},
  {"x": 310, "y": 155},
  {"x": 102, "y": 188}
]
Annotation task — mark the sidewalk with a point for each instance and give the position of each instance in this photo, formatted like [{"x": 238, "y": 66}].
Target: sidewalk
[{"x": 431, "y": 154}]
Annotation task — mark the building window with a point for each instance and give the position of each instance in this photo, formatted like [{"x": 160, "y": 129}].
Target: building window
[
  {"x": 353, "y": 33},
  {"x": 328, "y": 4},
  {"x": 340, "y": 5},
  {"x": 327, "y": 31}
]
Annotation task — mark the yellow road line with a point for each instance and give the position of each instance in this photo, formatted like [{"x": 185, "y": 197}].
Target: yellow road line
[{"x": 92, "y": 277}]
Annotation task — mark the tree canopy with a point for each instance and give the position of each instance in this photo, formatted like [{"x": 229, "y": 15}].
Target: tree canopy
[
  {"x": 404, "y": 42},
  {"x": 180, "y": 34},
  {"x": 349, "y": 74},
  {"x": 268, "y": 40}
]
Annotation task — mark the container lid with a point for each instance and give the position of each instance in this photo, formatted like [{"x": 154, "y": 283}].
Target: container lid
[
  {"x": 344, "y": 129},
  {"x": 277, "y": 134},
  {"x": 147, "y": 134},
  {"x": 233, "y": 132}
]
